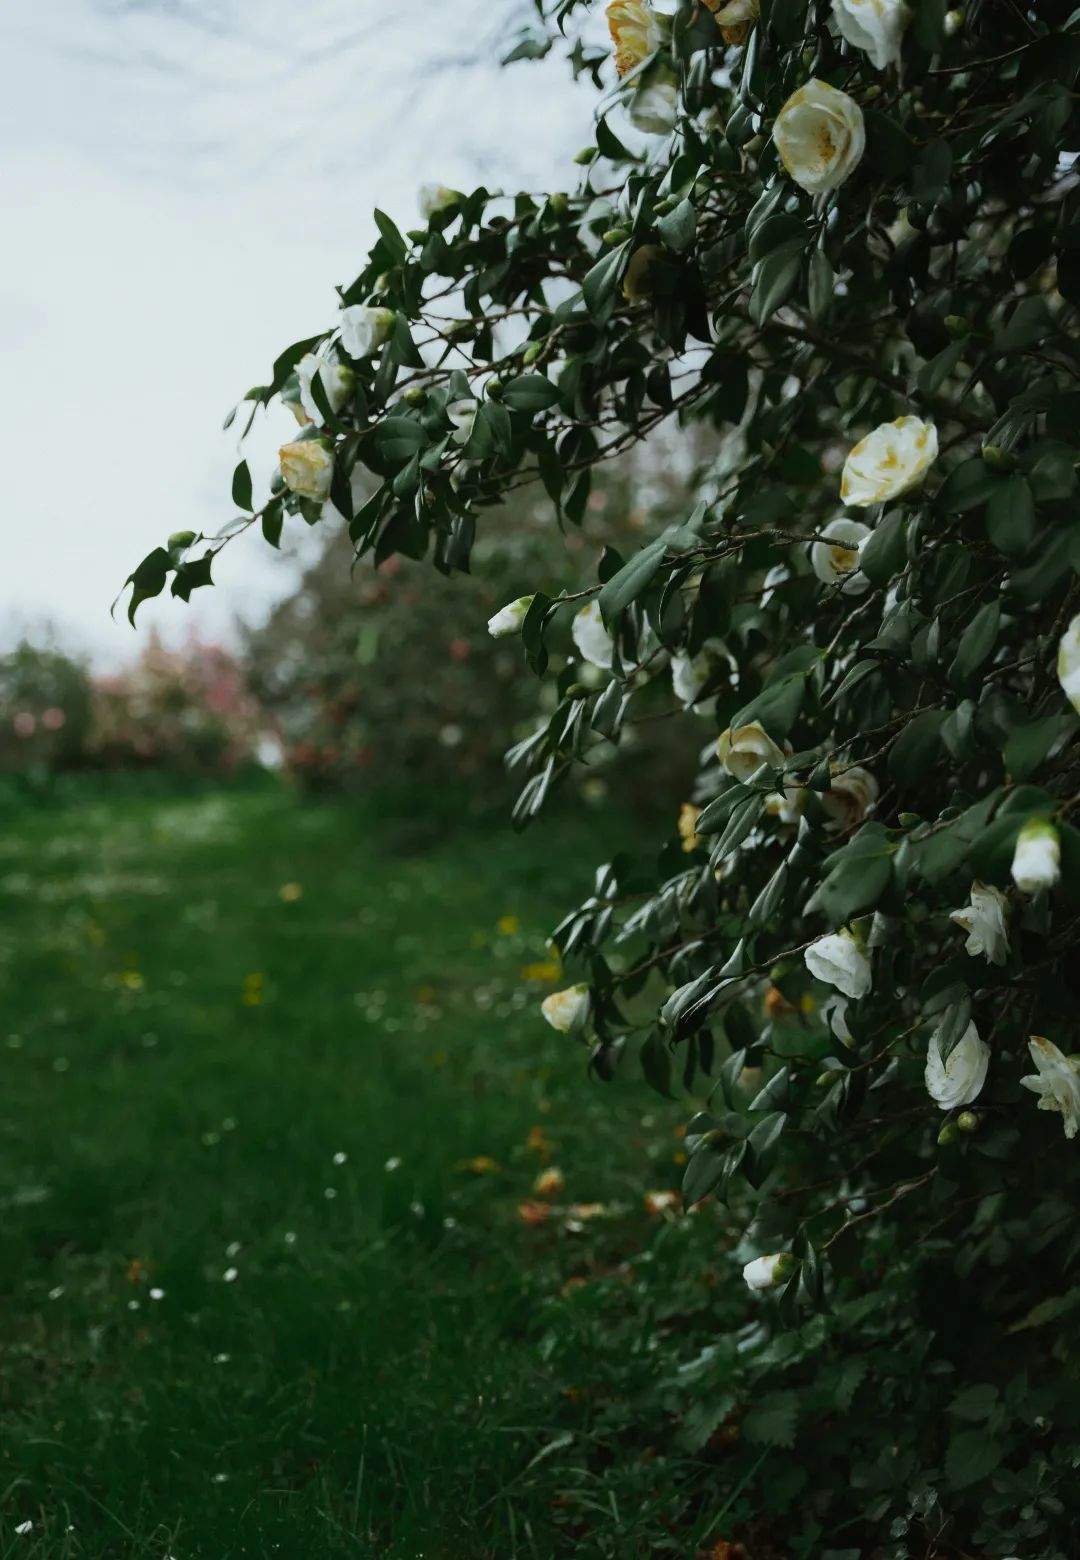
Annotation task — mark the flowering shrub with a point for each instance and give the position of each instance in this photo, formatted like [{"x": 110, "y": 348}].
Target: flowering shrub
[
  {"x": 188, "y": 710},
  {"x": 44, "y": 709},
  {"x": 848, "y": 247}
]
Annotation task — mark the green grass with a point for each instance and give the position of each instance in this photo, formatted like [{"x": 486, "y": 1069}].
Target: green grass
[{"x": 231, "y": 1325}]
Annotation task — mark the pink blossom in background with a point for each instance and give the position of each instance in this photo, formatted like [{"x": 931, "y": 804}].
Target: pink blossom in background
[
  {"x": 24, "y": 724},
  {"x": 53, "y": 719}
]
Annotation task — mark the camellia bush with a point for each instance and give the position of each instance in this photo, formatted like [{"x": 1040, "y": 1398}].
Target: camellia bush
[{"x": 844, "y": 241}]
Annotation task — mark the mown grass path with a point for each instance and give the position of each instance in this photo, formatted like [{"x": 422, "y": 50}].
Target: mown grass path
[{"x": 275, "y": 1090}]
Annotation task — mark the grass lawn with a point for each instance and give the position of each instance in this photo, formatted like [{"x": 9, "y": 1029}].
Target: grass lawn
[{"x": 268, "y": 1286}]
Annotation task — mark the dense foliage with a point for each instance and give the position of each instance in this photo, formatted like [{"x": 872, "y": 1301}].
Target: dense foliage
[{"x": 851, "y": 250}]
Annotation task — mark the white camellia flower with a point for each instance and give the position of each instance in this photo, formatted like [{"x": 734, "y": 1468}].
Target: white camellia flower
[
  {"x": 875, "y": 26},
  {"x": 433, "y": 198},
  {"x": 1057, "y": 1081},
  {"x": 836, "y": 560},
  {"x": 508, "y": 619},
  {"x": 1068, "y": 663},
  {"x": 957, "y": 1080},
  {"x": 567, "y": 1011},
  {"x": 337, "y": 382},
  {"x": 779, "y": 574},
  {"x": 888, "y": 462},
  {"x": 820, "y": 136},
  {"x": 851, "y": 794},
  {"x": 591, "y": 637},
  {"x": 654, "y": 105},
  {"x": 743, "y": 749},
  {"x": 364, "y": 329},
  {"x": 984, "y": 921},
  {"x": 689, "y": 674},
  {"x": 1036, "y": 861},
  {"x": 838, "y": 959},
  {"x": 834, "y": 1012},
  {"x": 462, "y": 414},
  {"x": 769, "y": 1272},
  {"x": 636, "y": 32},
  {"x": 736, "y": 18},
  {"x": 786, "y": 805},
  {"x": 307, "y": 466}
]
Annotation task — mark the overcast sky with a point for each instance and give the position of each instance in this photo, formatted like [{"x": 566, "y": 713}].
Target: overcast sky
[{"x": 184, "y": 182}]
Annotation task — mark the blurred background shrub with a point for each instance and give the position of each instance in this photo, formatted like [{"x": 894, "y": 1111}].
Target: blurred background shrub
[
  {"x": 189, "y": 710},
  {"x": 381, "y": 678},
  {"x": 45, "y": 709}
]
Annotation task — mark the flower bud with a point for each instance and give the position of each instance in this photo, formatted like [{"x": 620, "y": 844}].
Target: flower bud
[
  {"x": 997, "y": 458},
  {"x": 568, "y": 1011},
  {"x": 586, "y": 155},
  {"x": 1037, "y": 859},
  {"x": 415, "y": 395},
  {"x": 769, "y": 1272},
  {"x": 181, "y": 539},
  {"x": 364, "y": 330},
  {"x": 958, "y": 1078},
  {"x": 433, "y": 198},
  {"x": 947, "y": 1135},
  {"x": 968, "y": 1121},
  {"x": 558, "y": 203},
  {"x": 957, "y": 326},
  {"x": 616, "y": 235},
  {"x": 532, "y": 352},
  {"x": 508, "y": 619}
]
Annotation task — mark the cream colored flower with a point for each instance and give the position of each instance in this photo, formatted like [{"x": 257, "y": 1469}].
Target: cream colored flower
[
  {"x": 1068, "y": 663},
  {"x": 508, "y": 619},
  {"x": 888, "y": 462},
  {"x": 462, "y": 414},
  {"x": 638, "y": 281},
  {"x": 957, "y": 1080},
  {"x": 1056, "y": 1082},
  {"x": 1037, "y": 859},
  {"x": 744, "y": 749},
  {"x": 307, "y": 465},
  {"x": 820, "y": 136},
  {"x": 567, "y": 1011},
  {"x": 591, "y": 637},
  {"x": 336, "y": 380},
  {"x": 433, "y": 198},
  {"x": 364, "y": 329},
  {"x": 769, "y": 1272},
  {"x": 736, "y": 18},
  {"x": 654, "y": 106},
  {"x": 689, "y": 674},
  {"x": 838, "y": 959},
  {"x": 851, "y": 795},
  {"x": 835, "y": 561},
  {"x": 984, "y": 921},
  {"x": 786, "y": 805},
  {"x": 636, "y": 32},
  {"x": 688, "y": 817},
  {"x": 875, "y": 26}
]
